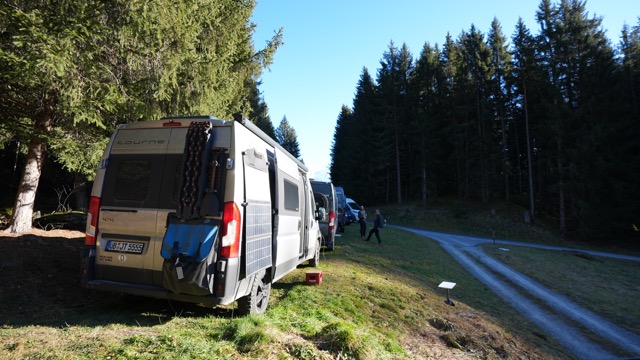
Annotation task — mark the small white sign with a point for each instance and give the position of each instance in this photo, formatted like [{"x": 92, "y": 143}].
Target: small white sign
[{"x": 447, "y": 285}]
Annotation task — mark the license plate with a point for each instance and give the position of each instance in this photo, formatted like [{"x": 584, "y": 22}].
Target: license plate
[{"x": 123, "y": 246}]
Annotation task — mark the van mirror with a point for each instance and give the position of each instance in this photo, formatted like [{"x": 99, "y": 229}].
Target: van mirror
[{"x": 321, "y": 213}]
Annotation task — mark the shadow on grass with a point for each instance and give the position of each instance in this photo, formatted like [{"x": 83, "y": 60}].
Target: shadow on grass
[
  {"x": 103, "y": 309},
  {"x": 40, "y": 285}
]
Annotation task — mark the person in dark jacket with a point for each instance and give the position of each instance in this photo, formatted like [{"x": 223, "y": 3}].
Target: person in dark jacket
[
  {"x": 362, "y": 219},
  {"x": 377, "y": 224}
]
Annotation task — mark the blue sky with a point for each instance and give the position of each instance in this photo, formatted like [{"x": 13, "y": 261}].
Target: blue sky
[{"x": 327, "y": 43}]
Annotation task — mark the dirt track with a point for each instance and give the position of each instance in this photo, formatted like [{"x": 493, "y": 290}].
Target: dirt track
[{"x": 561, "y": 317}]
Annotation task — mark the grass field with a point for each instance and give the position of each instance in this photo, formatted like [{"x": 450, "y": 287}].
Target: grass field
[
  {"x": 375, "y": 302},
  {"x": 605, "y": 286}
]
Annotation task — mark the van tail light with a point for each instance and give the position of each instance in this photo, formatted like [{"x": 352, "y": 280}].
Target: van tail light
[
  {"x": 332, "y": 220},
  {"x": 92, "y": 221},
  {"x": 230, "y": 230}
]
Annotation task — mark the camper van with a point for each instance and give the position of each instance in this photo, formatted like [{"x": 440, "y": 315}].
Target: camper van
[{"x": 201, "y": 210}]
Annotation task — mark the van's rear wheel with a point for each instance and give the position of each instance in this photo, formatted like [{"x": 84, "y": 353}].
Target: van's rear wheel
[
  {"x": 258, "y": 299},
  {"x": 316, "y": 256},
  {"x": 331, "y": 244}
]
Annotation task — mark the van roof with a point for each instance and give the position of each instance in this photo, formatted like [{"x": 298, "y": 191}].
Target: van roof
[
  {"x": 177, "y": 121},
  {"x": 185, "y": 121}
]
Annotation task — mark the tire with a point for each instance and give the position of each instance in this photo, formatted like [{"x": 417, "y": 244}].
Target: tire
[
  {"x": 316, "y": 257},
  {"x": 331, "y": 244},
  {"x": 258, "y": 298}
]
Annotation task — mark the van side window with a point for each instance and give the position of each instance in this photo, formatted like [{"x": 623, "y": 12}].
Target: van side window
[
  {"x": 132, "y": 179},
  {"x": 291, "y": 198}
]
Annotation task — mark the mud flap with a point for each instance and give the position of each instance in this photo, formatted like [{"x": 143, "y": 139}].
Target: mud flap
[{"x": 189, "y": 252}]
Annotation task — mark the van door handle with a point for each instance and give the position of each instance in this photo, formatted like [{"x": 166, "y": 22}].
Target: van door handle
[
  {"x": 120, "y": 210},
  {"x": 299, "y": 221}
]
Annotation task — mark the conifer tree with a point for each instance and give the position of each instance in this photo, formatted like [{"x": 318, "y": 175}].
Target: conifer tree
[
  {"x": 366, "y": 138},
  {"x": 259, "y": 112},
  {"x": 627, "y": 168},
  {"x": 451, "y": 60},
  {"x": 342, "y": 149},
  {"x": 426, "y": 97},
  {"x": 499, "y": 95},
  {"x": 286, "y": 136},
  {"x": 523, "y": 77},
  {"x": 578, "y": 59},
  {"x": 474, "y": 116},
  {"x": 45, "y": 77},
  {"x": 87, "y": 65},
  {"x": 393, "y": 84}
]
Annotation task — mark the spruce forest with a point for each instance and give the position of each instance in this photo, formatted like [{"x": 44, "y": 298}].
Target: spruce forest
[{"x": 549, "y": 120}]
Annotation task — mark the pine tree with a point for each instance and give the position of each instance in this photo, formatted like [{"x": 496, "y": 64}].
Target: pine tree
[
  {"x": 366, "y": 136},
  {"x": 45, "y": 77},
  {"x": 523, "y": 78},
  {"x": 259, "y": 113},
  {"x": 630, "y": 51},
  {"x": 342, "y": 149},
  {"x": 500, "y": 97},
  {"x": 453, "y": 94},
  {"x": 627, "y": 168},
  {"x": 286, "y": 136},
  {"x": 427, "y": 98},
  {"x": 83, "y": 65},
  {"x": 579, "y": 61},
  {"x": 473, "y": 114},
  {"x": 393, "y": 84}
]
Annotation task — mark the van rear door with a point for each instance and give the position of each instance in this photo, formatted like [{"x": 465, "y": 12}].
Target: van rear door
[{"x": 140, "y": 189}]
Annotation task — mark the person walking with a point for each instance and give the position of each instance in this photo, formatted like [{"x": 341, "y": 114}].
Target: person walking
[
  {"x": 362, "y": 219},
  {"x": 377, "y": 224}
]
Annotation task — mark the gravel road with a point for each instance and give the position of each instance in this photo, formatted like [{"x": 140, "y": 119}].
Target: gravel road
[{"x": 561, "y": 318}]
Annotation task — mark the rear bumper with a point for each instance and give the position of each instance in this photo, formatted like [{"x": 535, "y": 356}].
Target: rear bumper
[{"x": 153, "y": 292}]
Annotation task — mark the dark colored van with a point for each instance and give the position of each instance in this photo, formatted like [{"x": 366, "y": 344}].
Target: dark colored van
[{"x": 342, "y": 208}]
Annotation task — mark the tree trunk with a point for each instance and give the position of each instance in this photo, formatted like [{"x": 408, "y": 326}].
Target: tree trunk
[
  {"x": 505, "y": 161},
  {"x": 562, "y": 210},
  {"x": 397, "y": 144},
  {"x": 22, "y": 218},
  {"x": 532, "y": 210},
  {"x": 424, "y": 184}
]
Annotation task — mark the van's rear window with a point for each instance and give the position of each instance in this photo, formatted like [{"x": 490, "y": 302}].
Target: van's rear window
[
  {"x": 132, "y": 178},
  {"x": 148, "y": 181}
]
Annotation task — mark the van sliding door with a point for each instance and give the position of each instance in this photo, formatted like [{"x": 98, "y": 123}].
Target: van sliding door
[
  {"x": 257, "y": 217},
  {"x": 289, "y": 203},
  {"x": 306, "y": 216}
]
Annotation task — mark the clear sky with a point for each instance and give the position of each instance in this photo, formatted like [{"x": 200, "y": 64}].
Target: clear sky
[{"x": 328, "y": 42}]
